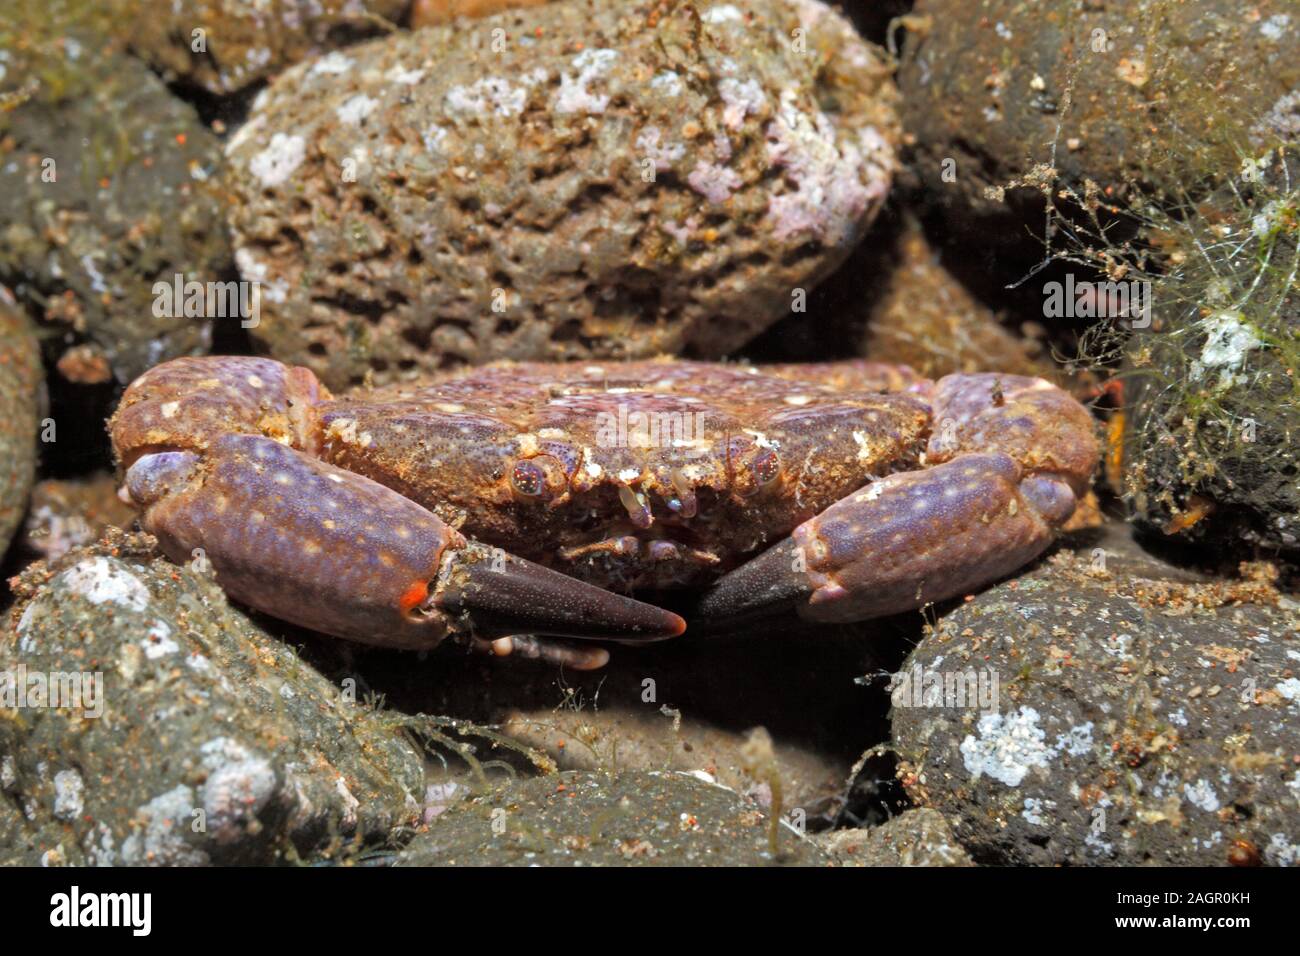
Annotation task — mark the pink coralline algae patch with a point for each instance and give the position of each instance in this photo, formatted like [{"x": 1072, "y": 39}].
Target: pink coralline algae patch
[{"x": 835, "y": 183}]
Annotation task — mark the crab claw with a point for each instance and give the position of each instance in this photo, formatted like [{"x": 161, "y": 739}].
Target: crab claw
[
  {"x": 1013, "y": 454},
  {"x": 502, "y": 595},
  {"x": 331, "y": 550},
  {"x": 898, "y": 544}
]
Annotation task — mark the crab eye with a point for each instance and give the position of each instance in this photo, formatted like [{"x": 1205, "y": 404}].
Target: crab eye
[
  {"x": 767, "y": 466},
  {"x": 528, "y": 478}
]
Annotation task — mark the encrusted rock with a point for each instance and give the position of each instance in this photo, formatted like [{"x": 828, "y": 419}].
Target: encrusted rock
[
  {"x": 181, "y": 734},
  {"x": 916, "y": 838},
  {"x": 1211, "y": 391},
  {"x": 599, "y": 819},
  {"x": 107, "y": 190},
  {"x": 1156, "y": 91},
  {"x": 225, "y": 45},
  {"x": 651, "y": 740},
  {"x": 427, "y": 13},
  {"x": 1109, "y": 709},
  {"x": 72, "y": 513},
  {"x": 924, "y": 317},
  {"x": 20, "y": 382},
  {"x": 580, "y": 179}
]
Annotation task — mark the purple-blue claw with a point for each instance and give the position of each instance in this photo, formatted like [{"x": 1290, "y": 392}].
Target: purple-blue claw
[
  {"x": 336, "y": 552},
  {"x": 900, "y": 543},
  {"x": 1009, "y": 457}
]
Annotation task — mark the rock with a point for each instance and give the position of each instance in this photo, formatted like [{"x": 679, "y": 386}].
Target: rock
[
  {"x": 1212, "y": 404},
  {"x": 924, "y": 317},
  {"x": 243, "y": 41},
  {"x": 1113, "y": 710},
  {"x": 1153, "y": 92},
  {"x": 626, "y": 739},
  {"x": 428, "y": 13},
  {"x": 20, "y": 386},
  {"x": 73, "y": 513},
  {"x": 107, "y": 191},
  {"x": 597, "y": 819},
  {"x": 196, "y": 738},
  {"x": 916, "y": 838},
  {"x": 612, "y": 183}
]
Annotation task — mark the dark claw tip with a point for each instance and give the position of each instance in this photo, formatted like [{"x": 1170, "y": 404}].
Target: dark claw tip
[
  {"x": 501, "y": 595},
  {"x": 766, "y": 586}
]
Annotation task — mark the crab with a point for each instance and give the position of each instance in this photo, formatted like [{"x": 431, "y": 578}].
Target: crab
[{"x": 514, "y": 504}]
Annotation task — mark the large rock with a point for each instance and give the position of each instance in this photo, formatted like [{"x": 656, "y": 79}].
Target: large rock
[
  {"x": 924, "y": 317},
  {"x": 1153, "y": 91},
  {"x": 1140, "y": 715},
  {"x": 107, "y": 190},
  {"x": 1008, "y": 103},
  {"x": 207, "y": 742},
  {"x": 580, "y": 179},
  {"x": 1213, "y": 401}
]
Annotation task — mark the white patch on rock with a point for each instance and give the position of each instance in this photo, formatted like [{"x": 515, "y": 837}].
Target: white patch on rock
[
  {"x": 332, "y": 63},
  {"x": 1201, "y": 794},
  {"x": 158, "y": 642},
  {"x": 69, "y": 795},
  {"x": 433, "y": 138},
  {"x": 1077, "y": 741},
  {"x": 1007, "y": 747},
  {"x": 239, "y": 784},
  {"x": 831, "y": 199},
  {"x": 740, "y": 99},
  {"x": 1227, "y": 341},
  {"x": 356, "y": 108},
  {"x": 663, "y": 156},
  {"x": 1274, "y": 28},
  {"x": 715, "y": 183},
  {"x": 158, "y": 838},
  {"x": 1281, "y": 851},
  {"x": 574, "y": 95},
  {"x": 491, "y": 95},
  {"x": 1033, "y": 811},
  {"x": 276, "y": 163},
  {"x": 668, "y": 83},
  {"x": 1289, "y": 688},
  {"x": 101, "y": 581},
  {"x": 723, "y": 13},
  {"x": 255, "y": 270},
  {"x": 400, "y": 74}
]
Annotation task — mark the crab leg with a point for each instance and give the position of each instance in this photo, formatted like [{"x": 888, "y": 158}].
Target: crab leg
[{"x": 1009, "y": 458}]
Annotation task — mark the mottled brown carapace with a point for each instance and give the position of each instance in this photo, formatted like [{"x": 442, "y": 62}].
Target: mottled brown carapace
[{"x": 646, "y": 474}]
